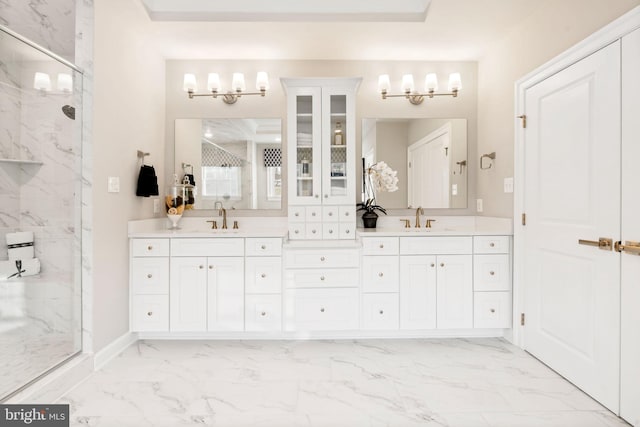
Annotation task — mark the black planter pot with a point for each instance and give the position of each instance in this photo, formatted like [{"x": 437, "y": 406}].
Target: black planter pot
[{"x": 369, "y": 219}]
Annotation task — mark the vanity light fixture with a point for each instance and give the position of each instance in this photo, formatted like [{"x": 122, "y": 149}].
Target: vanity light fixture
[
  {"x": 42, "y": 82},
  {"x": 408, "y": 87},
  {"x": 214, "y": 87}
]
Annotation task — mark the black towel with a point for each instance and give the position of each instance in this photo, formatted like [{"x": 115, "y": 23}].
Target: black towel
[{"x": 147, "y": 182}]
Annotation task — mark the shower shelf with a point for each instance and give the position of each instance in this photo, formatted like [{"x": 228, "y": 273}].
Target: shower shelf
[{"x": 22, "y": 162}]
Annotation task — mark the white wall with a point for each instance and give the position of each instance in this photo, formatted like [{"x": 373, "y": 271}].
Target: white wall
[
  {"x": 551, "y": 29},
  {"x": 128, "y": 115}
]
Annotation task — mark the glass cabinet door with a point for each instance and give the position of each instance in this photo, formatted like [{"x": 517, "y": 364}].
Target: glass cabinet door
[{"x": 307, "y": 143}]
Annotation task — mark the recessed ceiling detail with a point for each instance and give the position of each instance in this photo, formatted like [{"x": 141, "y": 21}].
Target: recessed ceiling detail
[{"x": 288, "y": 10}]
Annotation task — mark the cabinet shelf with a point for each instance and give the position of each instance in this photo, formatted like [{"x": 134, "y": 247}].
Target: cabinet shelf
[{"x": 21, "y": 162}]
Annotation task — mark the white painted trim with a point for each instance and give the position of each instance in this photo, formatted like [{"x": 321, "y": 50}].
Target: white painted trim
[
  {"x": 317, "y": 335},
  {"x": 113, "y": 349},
  {"x": 598, "y": 40}
]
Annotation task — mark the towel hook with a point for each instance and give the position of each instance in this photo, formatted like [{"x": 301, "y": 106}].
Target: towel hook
[
  {"x": 491, "y": 156},
  {"x": 142, "y": 155},
  {"x": 462, "y": 164}
]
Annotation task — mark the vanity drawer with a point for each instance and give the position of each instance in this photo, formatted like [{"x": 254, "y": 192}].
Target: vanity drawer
[
  {"x": 331, "y": 230},
  {"x": 330, "y": 213},
  {"x": 150, "y": 313},
  {"x": 267, "y": 246},
  {"x": 492, "y": 310},
  {"x": 347, "y": 213},
  {"x": 313, "y": 213},
  {"x": 380, "y": 245},
  {"x": 313, "y": 230},
  {"x": 296, "y": 214},
  {"x": 321, "y": 309},
  {"x": 491, "y": 244},
  {"x": 435, "y": 245},
  {"x": 297, "y": 230},
  {"x": 380, "y": 274},
  {"x": 221, "y": 246},
  {"x": 263, "y": 275},
  {"x": 491, "y": 273},
  {"x": 322, "y": 278},
  {"x": 150, "y": 275},
  {"x": 333, "y": 257},
  {"x": 348, "y": 230},
  {"x": 150, "y": 247},
  {"x": 263, "y": 312},
  {"x": 380, "y": 311}
]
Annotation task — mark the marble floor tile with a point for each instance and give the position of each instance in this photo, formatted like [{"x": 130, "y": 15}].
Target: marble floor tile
[{"x": 484, "y": 382}]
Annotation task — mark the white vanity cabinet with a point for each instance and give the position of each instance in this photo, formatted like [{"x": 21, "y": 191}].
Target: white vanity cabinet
[
  {"x": 321, "y": 158},
  {"x": 380, "y": 286},
  {"x": 263, "y": 284},
  {"x": 492, "y": 282},
  {"x": 321, "y": 288},
  {"x": 149, "y": 278},
  {"x": 436, "y": 282},
  {"x": 206, "y": 291}
]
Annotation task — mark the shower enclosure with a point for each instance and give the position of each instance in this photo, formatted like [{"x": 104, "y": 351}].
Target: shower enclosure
[{"x": 40, "y": 211}]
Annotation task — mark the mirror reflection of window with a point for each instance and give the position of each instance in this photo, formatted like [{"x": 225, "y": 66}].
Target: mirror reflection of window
[
  {"x": 274, "y": 183},
  {"x": 222, "y": 182}
]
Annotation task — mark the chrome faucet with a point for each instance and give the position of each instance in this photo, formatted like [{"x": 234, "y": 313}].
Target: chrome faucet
[
  {"x": 221, "y": 211},
  {"x": 419, "y": 212}
]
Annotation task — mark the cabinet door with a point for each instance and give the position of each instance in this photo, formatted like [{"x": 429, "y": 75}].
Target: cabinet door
[
  {"x": 418, "y": 292},
  {"x": 263, "y": 275},
  {"x": 304, "y": 140},
  {"x": 338, "y": 146},
  {"x": 188, "y": 294},
  {"x": 455, "y": 291},
  {"x": 225, "y": 293}
]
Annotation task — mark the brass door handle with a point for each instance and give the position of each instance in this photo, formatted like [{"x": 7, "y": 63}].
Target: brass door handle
[
  {"x": 629, "y": 247},
  {"x": 603, "y": 243}
]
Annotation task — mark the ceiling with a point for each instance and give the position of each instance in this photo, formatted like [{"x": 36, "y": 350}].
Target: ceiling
[{"x": 433, "y": 30}]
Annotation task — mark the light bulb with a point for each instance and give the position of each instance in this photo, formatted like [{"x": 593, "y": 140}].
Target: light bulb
[
  {"x": 262, "y": 81},
  {"x": 213, "y": 82},
  {"x": 407, "y": 83},
  {"x": 190, "y": 84},
  {"x": 455, "y": 83},
  {"x": 383, "y": 83},
  {"x": 431, "y": 82},
  {"x": 238, "y": 82}
]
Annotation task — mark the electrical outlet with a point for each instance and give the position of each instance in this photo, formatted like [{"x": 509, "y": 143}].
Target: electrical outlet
[
  {"x": 479, "y": 205},
  {"x": 508, "y": 185},
  {"x": 156, "y": 206},
  {"x": 113, "y": 184}
]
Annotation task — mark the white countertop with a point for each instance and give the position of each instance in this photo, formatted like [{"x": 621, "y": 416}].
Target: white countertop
[{"x": 277, "y": 227}]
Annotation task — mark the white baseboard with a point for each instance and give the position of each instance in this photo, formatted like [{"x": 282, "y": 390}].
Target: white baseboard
[{"x": 112, "y": 350}]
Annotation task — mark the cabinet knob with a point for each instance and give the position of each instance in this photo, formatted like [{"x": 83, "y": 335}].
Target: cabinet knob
[
  {"x": 433, "y": 265},
  {"x": 263, "y": 247},
  {"x": 381, "y": 311},
  {"x": 322, "y": 310},
  {"x": 149, "y": 313},
  {"x": 149, "y": 276},
  {"x": 316, "y": 196},
  {"x": 492, "y": 273},
  {"x": 211, "y": 267},
  {"x": 348, "y": 231},
  {"x": 313, "y": 231},
  {"x": 264, "y": 313},
  {"x": 492, "y": 244},
  {"x": 346, "y": 214},
  {"x": 201, "y": 267},
  {"x": 380, "y": 274},
  {"x": 326, "y": 196},
  {"x": 149, "y": 248},
  {"x": 381, "y": 246},
  {"x": 493, "y": 310},
  {"x": 442, "y": 264},
  {"x": 263, "y": 275},
  {"x": 296, "y": 214},
  {"x": 313, "y": 214},
  {"x": 321, "y": 258},
  {"x": 330, "y": 213},
  {"x": 296, "y": 231},
  {"x": 322, "y": 278},
  {"x": 330, "y": 231}
]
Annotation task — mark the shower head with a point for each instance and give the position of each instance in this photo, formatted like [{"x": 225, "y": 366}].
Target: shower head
[{"x": 69, "y": 111}]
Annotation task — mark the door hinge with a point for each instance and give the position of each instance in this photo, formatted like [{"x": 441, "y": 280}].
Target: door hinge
[
  {"x": 524, "y": 120},
  {"x": 524, "y": 219},
  {"x": 521, "y": 319}
]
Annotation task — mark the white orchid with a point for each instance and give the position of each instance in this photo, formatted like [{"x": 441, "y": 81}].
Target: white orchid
[{"x": 378, "y": 177}]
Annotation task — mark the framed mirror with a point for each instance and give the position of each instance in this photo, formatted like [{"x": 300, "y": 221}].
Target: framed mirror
[
  {"x": 236, "y": 162},
  {"x": 430, "y": 156}
]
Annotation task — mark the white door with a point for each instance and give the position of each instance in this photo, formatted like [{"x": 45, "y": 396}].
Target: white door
[
  {"x": 455, "y": 291},
  {"x": 188, "y": 294},
  {"x": 572, "y": 192},
  {"x": 225, "y": 293},
  {"x": 428, "y": 165},
  {"x": 418, "y": 292},
  {"x": 630, "y": 333}
]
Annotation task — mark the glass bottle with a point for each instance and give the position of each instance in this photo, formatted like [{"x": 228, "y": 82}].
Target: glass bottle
[{"x": 338, "y": 136}]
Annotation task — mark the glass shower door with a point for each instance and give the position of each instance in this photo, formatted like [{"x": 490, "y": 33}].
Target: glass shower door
[{"x": 40, "y": 211}]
